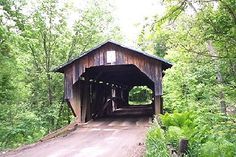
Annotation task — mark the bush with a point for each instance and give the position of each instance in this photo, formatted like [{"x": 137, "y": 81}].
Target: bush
[
  {"x": 27, "y": 128},
  {"x": 156, "y": 142},
  {"x": 140, "y": 95},
  {"x": 220, "y": 147},
  {"x": 173, "y": 135},
  {"x": 208, "y": 134}
]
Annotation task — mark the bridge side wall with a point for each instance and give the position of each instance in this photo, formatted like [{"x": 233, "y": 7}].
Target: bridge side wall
[{"x": 149, "y": 66}]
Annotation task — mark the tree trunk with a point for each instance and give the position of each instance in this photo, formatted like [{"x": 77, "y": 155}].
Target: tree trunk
[{"x": 219, "y": 77}]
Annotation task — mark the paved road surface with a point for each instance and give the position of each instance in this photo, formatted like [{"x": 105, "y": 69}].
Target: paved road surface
[{"x": 113, "y": 137}]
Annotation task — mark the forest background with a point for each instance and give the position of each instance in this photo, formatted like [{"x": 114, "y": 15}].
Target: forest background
[{"x": 198, "y": 37}]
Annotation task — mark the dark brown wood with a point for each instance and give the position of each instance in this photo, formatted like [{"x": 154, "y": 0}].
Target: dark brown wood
[
  {"x": 183, "y": 146},
  {"x": 162, "y": 111},
  {"x": 157, "y": 104},
  {"x": 75, "y": 100},
  {"x": 145, "y": 64},
  {"x": 85, "y": 102},
  {"x": 89, "y": 80}
]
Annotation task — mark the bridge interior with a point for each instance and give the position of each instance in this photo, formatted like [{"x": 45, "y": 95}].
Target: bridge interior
[{"x": 108, "y": 89}]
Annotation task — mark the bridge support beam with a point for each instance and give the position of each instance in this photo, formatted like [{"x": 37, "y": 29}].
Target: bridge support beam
[{"x": 158, "y": 104}]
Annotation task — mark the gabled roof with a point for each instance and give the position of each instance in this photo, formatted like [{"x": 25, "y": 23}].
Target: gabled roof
[{"x": 165, "y": 63}]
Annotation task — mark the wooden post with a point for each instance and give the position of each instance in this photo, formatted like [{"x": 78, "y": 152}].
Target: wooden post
[
  {"x": 158, "y": 91},
  {"x": 157, "y": 104},
  {"x": 75, "y": 100},
  {"x": 183, "y": 146},
  {"x": 85, "y": 101},
  {"x": 162, "y": 112},
  {"x": 98, "y": 99},
  {"x": 88, "y": 112}
]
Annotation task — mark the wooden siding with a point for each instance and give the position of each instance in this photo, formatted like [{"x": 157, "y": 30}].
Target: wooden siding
[{"x": 150, "y": 67}]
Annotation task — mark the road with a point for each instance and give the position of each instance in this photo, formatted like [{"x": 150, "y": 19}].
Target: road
[{"x": 108, "y": 137}]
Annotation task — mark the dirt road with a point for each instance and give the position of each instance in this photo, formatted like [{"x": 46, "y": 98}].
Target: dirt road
[{"x": 110, "y": 137}]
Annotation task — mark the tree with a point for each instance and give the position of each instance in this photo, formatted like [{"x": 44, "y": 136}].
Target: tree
[
  {"x": 32, "y": 44},
  {"x": 200, "y": 43}
]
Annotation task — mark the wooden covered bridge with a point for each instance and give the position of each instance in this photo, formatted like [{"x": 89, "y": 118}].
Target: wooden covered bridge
[{"x": 98, "y": 82}]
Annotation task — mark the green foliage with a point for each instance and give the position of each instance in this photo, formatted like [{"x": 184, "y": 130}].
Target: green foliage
[
  {"x": 156, "y": 142},
  {"x": 7, "y": 60},
  {"x": 178, "y": 126},
  {"x": 140, "y": 95},
  {"x": 33, "y": 40},
  {"x": 200, "y": 87},
  {"x": 26, "y": 129},
  {"x": 220, "y": 147},
  {"x": 178, "y": 119},
  {"x": 173, "y": 135},
  {"x": 208, "y": 134}
]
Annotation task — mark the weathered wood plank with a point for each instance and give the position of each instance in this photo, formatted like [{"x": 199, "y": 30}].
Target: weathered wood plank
[
  {"x": 157, "y": 104},
  {"x": 76, "y": 101},
  {"x": 68, "y": 82},
  {"x": 150, "y": 67},
  {"x": 85, "y": 101}
]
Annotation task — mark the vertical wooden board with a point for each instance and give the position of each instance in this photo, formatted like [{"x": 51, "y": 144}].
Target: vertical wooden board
[
  {"x": 126, "y": 96},
  {"x": 95, "y": 108},
  {"x": 73, "y": 73},
  {"x": 143, "y": 63},
  {"x": 145, "y": 67},
  {"x": 68, "y": 83},
  {"x": 104, "y": 52},
  {"x": 126, "y": 58},
  {"x": 131, "y": 59},
  {"x": 99, "y": 99},
  {"x": 78, "y": 101},
  {"x": 94, "y": 59},
  {"x": 88, "y": 111},
  {"x": 90, "y": 60},
  {"x": 118, "y": 57},
  {"x": 158, "y": 81},
  {"x": 158, "y": 88},
  {"x": 92, "y": 96},
  {"x": 137, "y": 59},
  {"x": 80, "y": 71},
  {"x": 97, "y": 59},
  {"x": 162, "y": 110},
  {"x": 76, "y": 72},
  {"x": 86, "y": 63},
  {"x": 75, "y": 101},
  {"x": 107, "y": 95},
  {"x": 101, "y": 58},
  {"x": 104, "y": 57},
  {"x": 157, "y": 105},
  {"x": 65, "y": 88},
  {"x": 153, "y": 70},
  {"x": 84, "y": 104},
  {"x": 82, "y": 66},
  {"x": 122, "y": 57},
  {"x": 148, "y": 70},
  {"x": 158, "y": 72}
]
